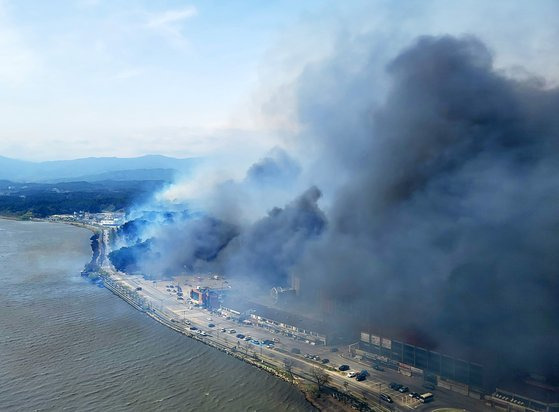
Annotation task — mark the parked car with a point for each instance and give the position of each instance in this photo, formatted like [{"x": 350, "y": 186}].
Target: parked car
[
  {"x": 295, "y": 350},
  {"x": 193, "y": 328},
  {"x": 429, "y": 385},
  {"x": 360, "y": 377},
  {"x": 378, "y": 368},
  {"x": 403, "y": 389},
  {"x": 325, "y": 361},
  {"x": 386, "y": 398},
  {"x": 414, "y": 395},
  {"x": 395, "y": 386},
  {"x": 211, "y": 325},
  {"x": 240, "y": 336},
  {"x": 352, "y": 374},
  {"x": 343, "y": 368}
]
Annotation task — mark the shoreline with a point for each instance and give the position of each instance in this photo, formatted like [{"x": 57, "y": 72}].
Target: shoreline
[
  {"x": 330, "y": 399},
  {"x": 300, "y": 383},
  {"x": 322, "y": 402}
]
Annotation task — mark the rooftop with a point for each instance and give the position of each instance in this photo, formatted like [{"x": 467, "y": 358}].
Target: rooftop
[{"x": 276, "y": 314}]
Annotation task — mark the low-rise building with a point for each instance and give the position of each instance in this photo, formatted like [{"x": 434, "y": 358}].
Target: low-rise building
[{"x": 205, "y": 297}]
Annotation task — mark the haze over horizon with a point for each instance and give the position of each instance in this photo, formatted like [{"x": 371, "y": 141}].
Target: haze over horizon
[{"x": 85, "y": 78}]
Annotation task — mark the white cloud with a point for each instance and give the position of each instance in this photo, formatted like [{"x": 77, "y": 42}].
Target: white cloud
[{"x": 169, "y": 23}]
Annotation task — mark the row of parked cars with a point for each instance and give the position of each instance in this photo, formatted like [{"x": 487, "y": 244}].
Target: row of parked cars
[
  {"x": 317, "y": 358},
  {"x": 423, "y": 398},
  {"x": 398, "y": 387}
]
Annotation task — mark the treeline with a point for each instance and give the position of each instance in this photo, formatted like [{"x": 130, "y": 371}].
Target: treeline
[{"x": 42, "y": 200}]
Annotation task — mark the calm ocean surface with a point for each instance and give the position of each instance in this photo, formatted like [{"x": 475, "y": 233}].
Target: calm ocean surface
[{"x": 66, "y": 344}]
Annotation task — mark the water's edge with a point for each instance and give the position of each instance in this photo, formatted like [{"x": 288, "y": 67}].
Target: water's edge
[{"x": 253, "y": 362}]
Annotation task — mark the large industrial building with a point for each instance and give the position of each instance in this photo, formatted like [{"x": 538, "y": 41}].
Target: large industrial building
[
  {"x": 528, "y": 395},
  {"x": 440, "y": 369}
]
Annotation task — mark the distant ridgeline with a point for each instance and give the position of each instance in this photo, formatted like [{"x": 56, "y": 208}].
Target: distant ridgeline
[
  {"x": 94, "y": 184},
  {"x": 44, "y": 199}
]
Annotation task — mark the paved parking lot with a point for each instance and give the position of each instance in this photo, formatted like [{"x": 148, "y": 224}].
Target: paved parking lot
[{"x": 377, "y": 382}]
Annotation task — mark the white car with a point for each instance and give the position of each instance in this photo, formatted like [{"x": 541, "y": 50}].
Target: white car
[{"x": 352, "y": 374}]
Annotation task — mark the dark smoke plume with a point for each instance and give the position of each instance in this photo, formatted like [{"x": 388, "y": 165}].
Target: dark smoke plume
[
  {"x": 449, "y": 222},
  {"x": 163, "y": 244},
  {"x": 269, "y": 248},
  {"x": 441, "y": 224}
]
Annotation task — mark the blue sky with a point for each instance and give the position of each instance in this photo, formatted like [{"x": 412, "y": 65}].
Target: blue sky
[{"x": 124, "y": 78}]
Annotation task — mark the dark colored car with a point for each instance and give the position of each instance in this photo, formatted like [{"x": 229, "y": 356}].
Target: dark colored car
[
  {"x": 360, "y": 377},
  {"x": 325, "y": 361},
  {"x": 295, "y": 350},
  {"x": 211, "y": 325},
  {"x": 386, "y": 397},
  {"x": 193, "y": 328},
  {"x": 395, "y": 386},
  {"x": 268, "y": 342},
  {"x": 378, "y": 368},
  {"x": 403, "y": 389},
  {"x": 240, "y": 336},
  {"x": 414, "y": 395},
  {"x": 343, "y": 368}
]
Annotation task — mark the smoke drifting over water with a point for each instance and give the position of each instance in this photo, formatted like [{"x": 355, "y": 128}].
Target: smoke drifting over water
[{"x": 442, "y": 208}]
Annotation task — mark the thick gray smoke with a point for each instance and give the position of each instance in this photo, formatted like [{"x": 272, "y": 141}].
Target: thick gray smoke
[
  {"x": 264, "y": 250},
  {"x": 442, "y": 219},
  {"x": 449, "y": 223},
  {"x": 270, "y": 247}
]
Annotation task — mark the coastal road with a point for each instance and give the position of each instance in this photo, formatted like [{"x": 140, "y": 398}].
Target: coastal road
[
  {"x": 167, "y": 305},
  {"x": 369, "y": 389}
]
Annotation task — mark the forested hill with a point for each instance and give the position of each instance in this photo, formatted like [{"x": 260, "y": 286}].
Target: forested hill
[{"x": 41, "y": 199}]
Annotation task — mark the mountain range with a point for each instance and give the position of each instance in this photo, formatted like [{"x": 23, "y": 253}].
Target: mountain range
[{"x": 92, "y": 169}]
